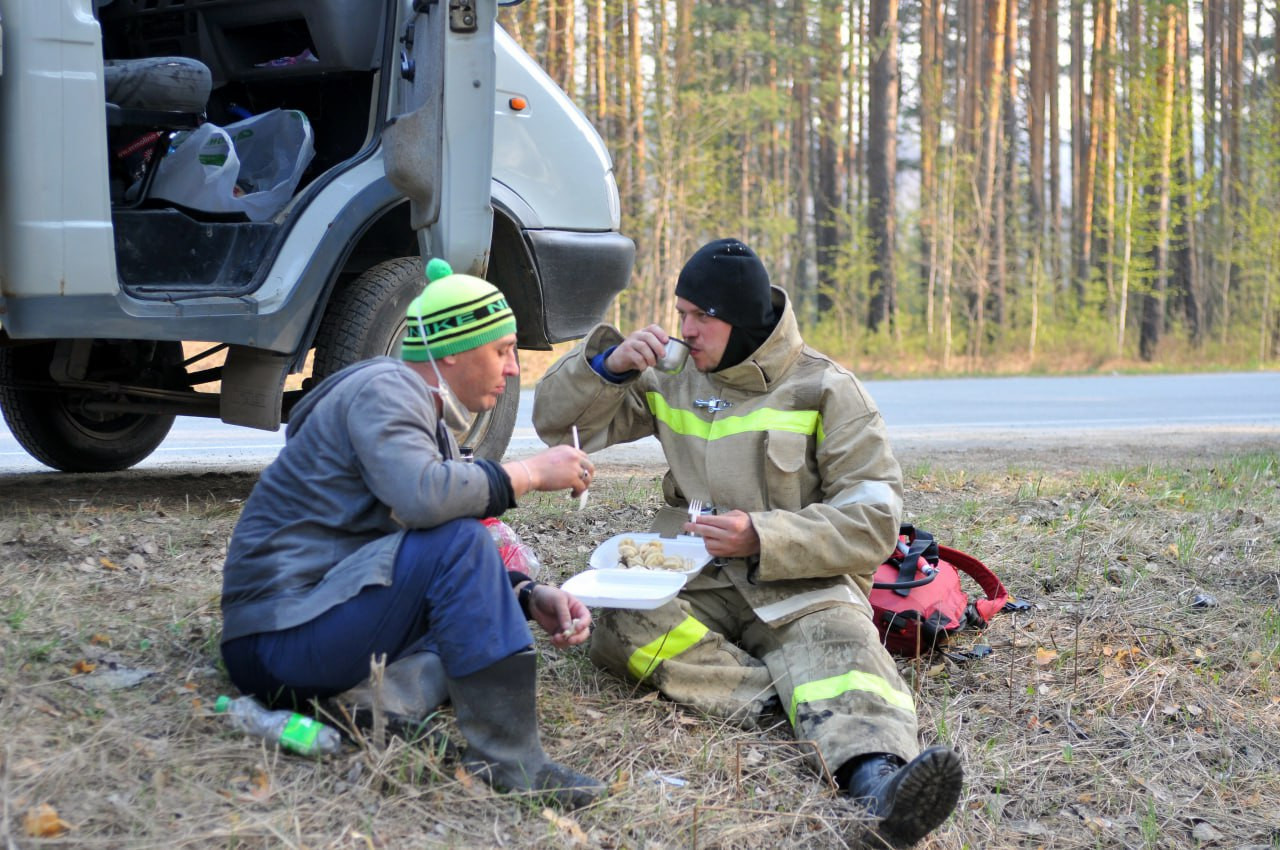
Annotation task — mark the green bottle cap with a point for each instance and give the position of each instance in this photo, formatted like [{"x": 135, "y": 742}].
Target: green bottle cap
[{"x": 223, "y": 703}]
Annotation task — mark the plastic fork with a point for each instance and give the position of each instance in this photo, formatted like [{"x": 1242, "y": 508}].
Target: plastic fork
[
  {"x": 695, "y": 509},
  {"x": 582, "y": 497}
]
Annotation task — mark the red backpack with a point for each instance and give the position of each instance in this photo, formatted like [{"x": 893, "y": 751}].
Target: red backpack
[{"x": 917, "y": 597}]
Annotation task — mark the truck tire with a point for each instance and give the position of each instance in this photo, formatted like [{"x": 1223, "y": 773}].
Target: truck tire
[
  {"x": 52, "y": 425},
  {"x": 366, "y": 319}
]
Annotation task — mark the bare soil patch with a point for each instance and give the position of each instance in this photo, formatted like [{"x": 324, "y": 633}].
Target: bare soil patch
[{"x": 1136, "y": 705}]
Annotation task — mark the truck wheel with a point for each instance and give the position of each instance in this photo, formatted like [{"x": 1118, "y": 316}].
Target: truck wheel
[
  {"x": 52, "y": 423},
  {"x": 366, "y": 319}
]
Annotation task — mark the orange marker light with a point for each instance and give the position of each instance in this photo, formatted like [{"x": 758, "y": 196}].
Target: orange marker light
[{"x": 518, "y": 104}]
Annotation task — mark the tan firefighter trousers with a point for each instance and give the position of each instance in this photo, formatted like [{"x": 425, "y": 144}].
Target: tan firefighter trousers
[{"x": 826, "y": 670}]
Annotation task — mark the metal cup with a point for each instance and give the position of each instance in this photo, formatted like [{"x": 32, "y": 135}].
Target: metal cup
[{"x": 673, "y": 359}]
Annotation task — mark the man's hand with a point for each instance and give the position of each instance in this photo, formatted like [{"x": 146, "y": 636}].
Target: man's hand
[
  {"x": 638, "y": 351},
  {"x": 556, "y": 468},
  {"x": 561, "y": 615},
  {"x": 730, "y": 535}
]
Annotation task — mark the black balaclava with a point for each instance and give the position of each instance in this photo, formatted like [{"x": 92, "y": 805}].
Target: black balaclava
[{"x": 727, "y": 280}]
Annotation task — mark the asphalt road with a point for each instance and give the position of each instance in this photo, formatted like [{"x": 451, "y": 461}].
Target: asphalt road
[
  {"x": 962, "y": 413},
  {"x": 1084, "y": 403}
]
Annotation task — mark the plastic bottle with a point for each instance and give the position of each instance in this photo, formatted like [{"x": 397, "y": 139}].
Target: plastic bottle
[{"x": 304, "y": 735}]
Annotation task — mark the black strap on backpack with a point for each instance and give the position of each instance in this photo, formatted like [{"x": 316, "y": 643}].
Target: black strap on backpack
[{"x": 906, "y": 557}]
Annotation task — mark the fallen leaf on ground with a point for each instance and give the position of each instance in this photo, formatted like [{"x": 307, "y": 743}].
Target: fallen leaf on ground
[
  {"x": 1045, "y": 657},
  {"x": 25, "y": 768},
  {"x": 261, "y": 783},
  {"x": 259, "y": 790},
  {"x": 366, "y": 840},
  {"x": 1203, "y": 832},
  {"x": 1129, "y": 655},
  {"x": 115, "y": 678},
  {"x": 568, "y": 826},
  {"x": 42, "y": 821},
  {"x": 1029, "y": 828}
]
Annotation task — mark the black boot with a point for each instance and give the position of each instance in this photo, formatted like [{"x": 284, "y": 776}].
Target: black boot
[
  {"x": 908, "y": 801},
  {"x": 496, "y": 709}
]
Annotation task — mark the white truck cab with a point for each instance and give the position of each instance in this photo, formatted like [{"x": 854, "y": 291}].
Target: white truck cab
[{"x": 434, "y": 135}]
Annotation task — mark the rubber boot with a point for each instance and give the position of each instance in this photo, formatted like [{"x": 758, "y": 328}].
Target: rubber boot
[
  {"x": 496, "y": 709},
  {"x": 412, "y": 688},
  {"x": 908, "y": 801}
]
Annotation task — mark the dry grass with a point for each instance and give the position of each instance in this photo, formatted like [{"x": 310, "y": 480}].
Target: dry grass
[{"x": 1115, "y": 714}]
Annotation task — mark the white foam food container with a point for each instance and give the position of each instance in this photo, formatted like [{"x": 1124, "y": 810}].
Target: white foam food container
[
  {"x": 688, "y": 547},
  {"x": 632, "y": 588}
]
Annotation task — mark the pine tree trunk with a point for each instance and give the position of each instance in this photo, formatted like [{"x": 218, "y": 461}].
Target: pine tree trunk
[
  {"x": 882, "y": 149},
  {"x": 827, "y": 204},
  {"x": 984, "y": 224},
  {"x": 597, "y": 67},
  {"x": 946, "y": 262},
  {"x": 857, "y": 91},
  {"x": 1186, "y": 275},
  {"x": 801, "y": 128},
  {"x": 1037, "y": 84},
  {"x": 635, "y": 105},
  {"x": 931, "y": 62},
  {"x": 1039, "y": 78},
  {"x": 1079, "y": 150},
  {"x": 1154, "y": 301},
  {"x": 1232, "y": 87},
  {"x": 1054, "y": 258},
  {"x": 1006, "y": 228},
  {"x": 1126, "y": 263},
  {"x": 1110, "y": 152},
  {"x": 1095, "y": 129}
]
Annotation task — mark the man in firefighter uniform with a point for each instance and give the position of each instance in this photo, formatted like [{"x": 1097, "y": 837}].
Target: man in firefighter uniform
[{"x": 791, "y": 451}]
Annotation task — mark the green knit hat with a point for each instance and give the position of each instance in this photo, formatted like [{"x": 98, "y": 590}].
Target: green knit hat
[{"x": 457, "y": 312}]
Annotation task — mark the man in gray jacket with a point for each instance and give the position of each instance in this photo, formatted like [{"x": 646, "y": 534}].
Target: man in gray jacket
[
  {"x": 791, "y": 450},
  {"x": 363, "y": 538}
]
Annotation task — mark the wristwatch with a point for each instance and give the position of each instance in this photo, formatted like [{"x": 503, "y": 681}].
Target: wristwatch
[{"x": 525, "y": 597}]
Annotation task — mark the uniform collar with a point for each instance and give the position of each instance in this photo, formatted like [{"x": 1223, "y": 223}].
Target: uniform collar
[{"x": 771, "y": 361}]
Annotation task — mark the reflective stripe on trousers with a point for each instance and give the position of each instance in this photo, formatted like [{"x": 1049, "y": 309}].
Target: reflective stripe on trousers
[
  {"x": 854, "y": 680},
  {"x": 670, "y": 644}
]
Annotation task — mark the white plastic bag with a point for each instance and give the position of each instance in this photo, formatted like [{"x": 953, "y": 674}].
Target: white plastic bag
[{"x": 251, "y": 167}]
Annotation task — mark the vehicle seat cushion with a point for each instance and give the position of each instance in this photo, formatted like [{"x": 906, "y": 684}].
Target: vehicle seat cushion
[{"x": 161, "y": 83}]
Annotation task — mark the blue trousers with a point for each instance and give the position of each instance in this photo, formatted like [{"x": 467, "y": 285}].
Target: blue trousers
[{"x": 449, "y": 594}]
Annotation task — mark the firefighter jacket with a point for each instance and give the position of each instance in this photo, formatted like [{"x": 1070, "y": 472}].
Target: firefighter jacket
[{"x": 788, "y": 435}]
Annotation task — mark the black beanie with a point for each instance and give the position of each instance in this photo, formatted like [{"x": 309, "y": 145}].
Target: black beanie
[{"x": 727, "y": 280}]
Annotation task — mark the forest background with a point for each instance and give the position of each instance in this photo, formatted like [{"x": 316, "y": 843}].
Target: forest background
[{"x": 976, "y": 186}]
